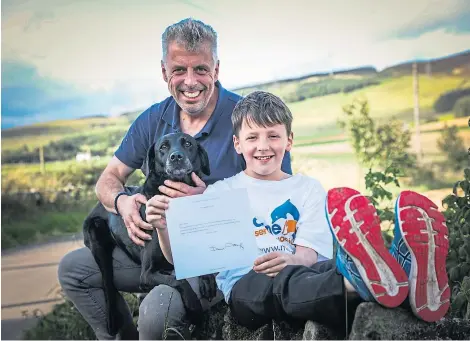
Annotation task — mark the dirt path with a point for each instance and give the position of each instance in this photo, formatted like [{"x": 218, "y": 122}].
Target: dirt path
[{"x": 29, "y": 283}]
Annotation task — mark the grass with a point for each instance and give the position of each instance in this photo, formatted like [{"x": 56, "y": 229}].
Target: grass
[
  {"x": 64, "y": 126},
  {"x": 315, "y": 118},
  {"x": 429, "y": 141},
  {"x": 41, "y": 134},
  {"x": 66, "y": 323},
  {"x": 333, "y": 134},
  {"x": 55, "y": 166},
  {"x": 393, "y": 96},
  {"x": 446, "y": 117},
  {"x": 315, "y": 125},
  {"x": 315, "y": 128},
  {"x": 36, "y": 225},
  {"x": 17, "y": 142}
]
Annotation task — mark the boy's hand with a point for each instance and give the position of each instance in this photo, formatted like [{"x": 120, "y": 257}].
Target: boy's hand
[
  {"x": 155, "y": 211},
  {"x": 174, "y": 189},
  {"x": 273, "y": 262}
]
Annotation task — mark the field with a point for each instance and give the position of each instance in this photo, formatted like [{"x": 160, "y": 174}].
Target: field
[
  {"x": 43, "y": 133},
  {"x": 317, "y": 117},
  {"x": 321, "y": 148}
]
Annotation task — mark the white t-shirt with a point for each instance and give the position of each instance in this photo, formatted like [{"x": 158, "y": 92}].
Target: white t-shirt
[{"x": 286, "y": 213}]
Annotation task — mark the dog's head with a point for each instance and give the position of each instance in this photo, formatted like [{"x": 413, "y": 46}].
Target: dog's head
[{"x": 176, "y": 156}]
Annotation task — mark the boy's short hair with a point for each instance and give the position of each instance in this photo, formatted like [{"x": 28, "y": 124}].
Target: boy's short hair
[{"x": 263, "y": 109}]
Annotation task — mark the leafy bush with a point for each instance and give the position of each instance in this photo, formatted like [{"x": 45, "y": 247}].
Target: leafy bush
[
  {"x": 457, "y": 213},
  {"x": 452, "y": 146},
  {"x": 447, "y": 100},
  {"x": 35, "y": 206},
  {"x": 66, "y": 323},
  {"x": 36, "y": 217},
  {"x": 381, "y": 148},
  {"x": 462, "y": 107},
  {"x": 377, "y": 145}
]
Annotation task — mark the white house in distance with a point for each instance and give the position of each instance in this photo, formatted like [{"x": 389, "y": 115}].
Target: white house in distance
[{"x": 83, "y": 156}]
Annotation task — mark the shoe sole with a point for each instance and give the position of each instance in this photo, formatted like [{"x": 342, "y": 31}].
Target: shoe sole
[
  {"x": 356, "y": 226},
  {"x": 424, "y": 232}
]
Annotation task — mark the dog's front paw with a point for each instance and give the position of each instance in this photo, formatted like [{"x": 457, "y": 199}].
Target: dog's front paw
[
  {"x": 208, "y": 286},
  {"x": 145, "y": 284},
  {"x": 114, "y": 323},
  {"x": 145, "y": 288}
]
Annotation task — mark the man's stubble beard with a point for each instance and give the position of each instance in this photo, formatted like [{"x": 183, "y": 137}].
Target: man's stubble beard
[{"x": 203, "y": 104}]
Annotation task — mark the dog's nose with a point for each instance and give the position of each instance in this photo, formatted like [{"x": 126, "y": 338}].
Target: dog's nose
[{"x": 176, "y": 156}]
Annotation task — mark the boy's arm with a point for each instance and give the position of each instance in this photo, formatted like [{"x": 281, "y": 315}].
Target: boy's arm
[
  {"x": 312, "y": 228},
  {"x": 305, "y": 256},
  {"x": 272, "y": 263},
  {"x": 155, "y": 215},
  {"x": 164, "y": 240}
]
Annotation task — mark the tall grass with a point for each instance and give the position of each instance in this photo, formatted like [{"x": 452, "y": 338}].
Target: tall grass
[{"x": 24, "y": 222}]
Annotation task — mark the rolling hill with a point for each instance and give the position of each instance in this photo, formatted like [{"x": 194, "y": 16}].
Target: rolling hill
[
  {"x": 389, "y": 93},
  {"x": 456, "y": 64}
]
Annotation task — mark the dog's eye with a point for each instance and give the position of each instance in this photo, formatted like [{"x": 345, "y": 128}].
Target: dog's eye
[
  {"x": 163, "y": 147},
  {"x": 187, "y": 144}
]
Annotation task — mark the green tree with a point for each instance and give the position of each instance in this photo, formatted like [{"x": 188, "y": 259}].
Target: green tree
[
  {"x": 382, "y": 148},
  {"x": 452, "y": 146},
  {"x": 447, "y": 100},
  {"x": 462, "y": 107}
]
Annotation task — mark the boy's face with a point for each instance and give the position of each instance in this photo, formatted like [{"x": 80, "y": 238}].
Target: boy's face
[{"x": 263, "y": 149}]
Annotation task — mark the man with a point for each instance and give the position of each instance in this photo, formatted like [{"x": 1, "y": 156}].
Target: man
[{"x": 198, "y": 106}]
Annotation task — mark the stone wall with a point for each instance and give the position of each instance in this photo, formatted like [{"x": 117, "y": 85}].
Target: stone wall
[{"x": 371, "y": 322}]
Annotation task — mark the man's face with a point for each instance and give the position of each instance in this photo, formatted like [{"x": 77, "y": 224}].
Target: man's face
[{"x": 191, "y": 76}]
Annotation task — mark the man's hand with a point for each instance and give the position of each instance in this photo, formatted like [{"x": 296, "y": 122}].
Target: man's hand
[
  {"x": 129, "y": 209},
  {"x": 272, "y": 263},
  {"x": 155, "y": 211},
  {"x": 175, "y": 189}
]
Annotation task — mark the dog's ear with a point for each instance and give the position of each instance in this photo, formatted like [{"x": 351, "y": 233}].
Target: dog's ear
[
  {"x": 205, "y": 167},
  {"x": 149, "y": 162}
]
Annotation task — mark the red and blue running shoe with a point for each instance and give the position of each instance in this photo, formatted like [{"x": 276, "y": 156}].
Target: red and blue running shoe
[
  {"x": 420, "y": 245},
  {"x": 362, "y": 257}
]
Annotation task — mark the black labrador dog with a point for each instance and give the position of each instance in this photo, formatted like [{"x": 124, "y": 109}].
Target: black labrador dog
[{"x": 173, "y": 157}]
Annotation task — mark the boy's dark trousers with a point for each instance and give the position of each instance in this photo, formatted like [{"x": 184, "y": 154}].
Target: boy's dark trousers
[{"x": 297, "y": 293}]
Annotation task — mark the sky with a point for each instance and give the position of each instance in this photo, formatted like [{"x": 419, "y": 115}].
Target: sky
[{"x": 68, "y": 58}]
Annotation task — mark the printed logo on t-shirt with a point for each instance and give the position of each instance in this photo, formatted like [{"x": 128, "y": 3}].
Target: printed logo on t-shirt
[{"x": 283, "y": 227}]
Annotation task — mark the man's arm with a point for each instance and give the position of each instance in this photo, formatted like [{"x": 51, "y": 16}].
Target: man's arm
[{"x": 109, "y": 184}]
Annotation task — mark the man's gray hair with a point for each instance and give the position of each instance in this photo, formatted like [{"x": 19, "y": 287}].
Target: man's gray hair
[
  {"x": 263, "y": 109},
  {"x": 191, "y": 33}
]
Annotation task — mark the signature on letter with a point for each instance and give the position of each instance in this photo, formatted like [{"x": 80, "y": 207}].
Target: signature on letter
[{"x": 227, "y": 245}]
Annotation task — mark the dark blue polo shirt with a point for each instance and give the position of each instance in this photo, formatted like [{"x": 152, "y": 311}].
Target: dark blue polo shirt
[{"x": 216, "y": 136}]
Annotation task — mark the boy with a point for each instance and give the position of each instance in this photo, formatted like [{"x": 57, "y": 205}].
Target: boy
[{"x": 294, "y": 278}]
